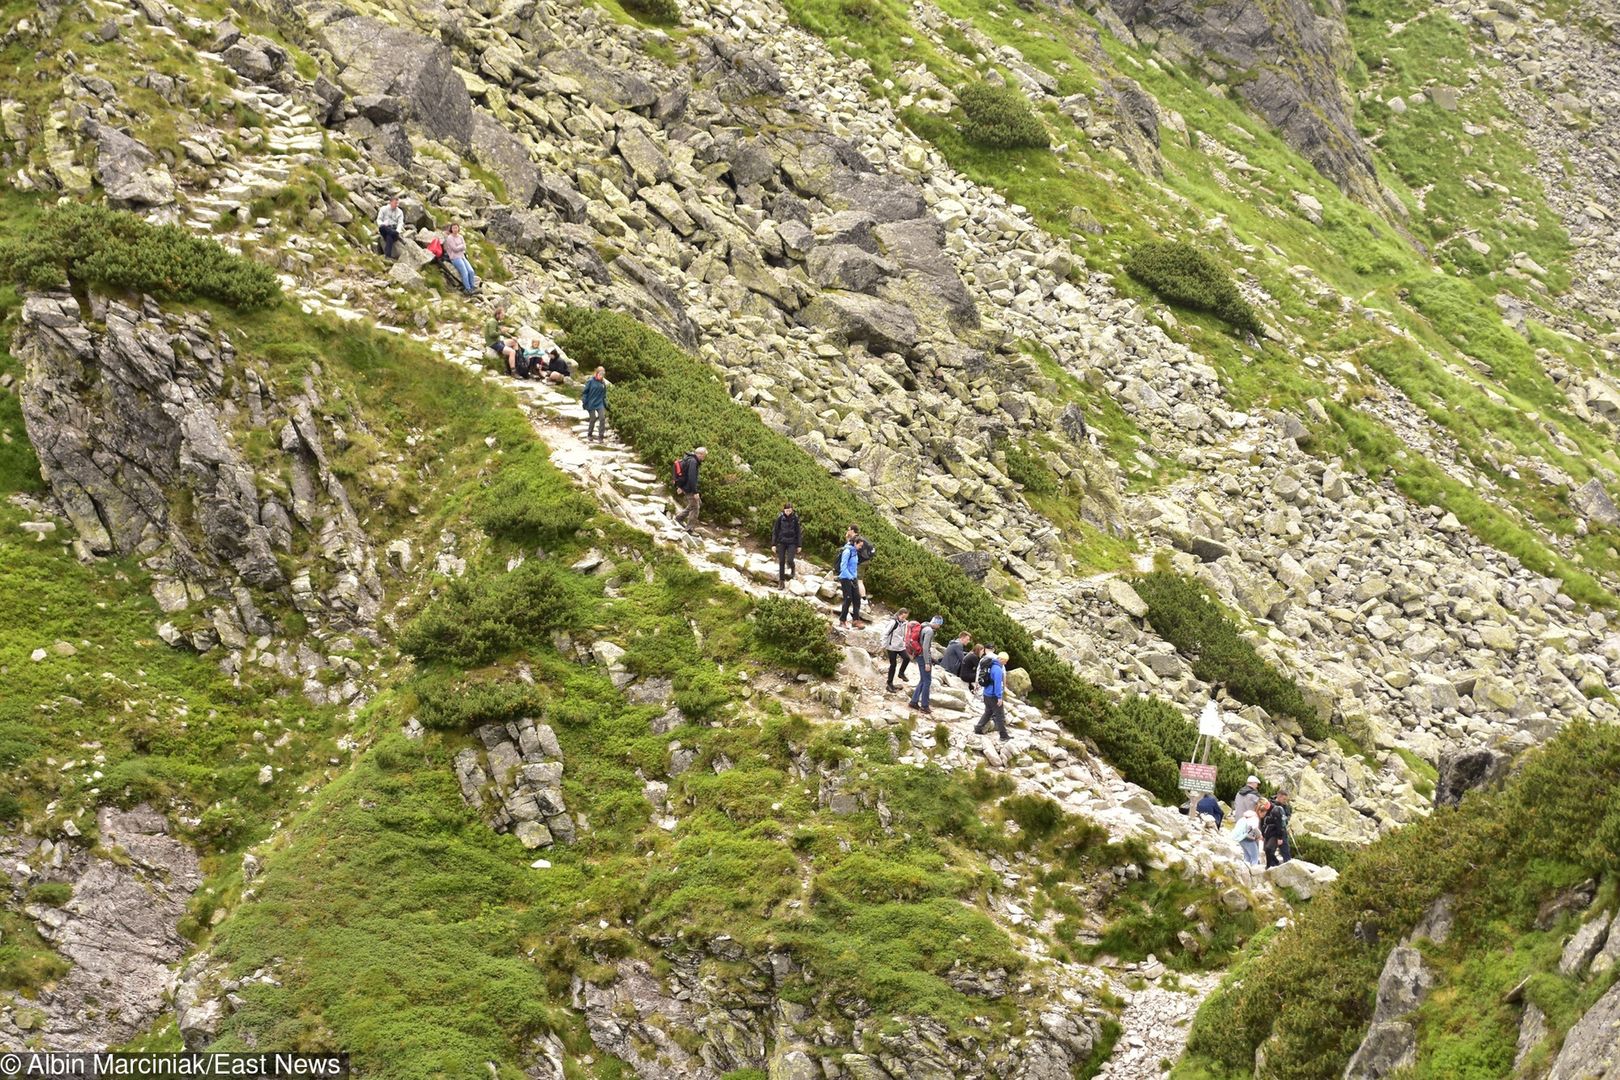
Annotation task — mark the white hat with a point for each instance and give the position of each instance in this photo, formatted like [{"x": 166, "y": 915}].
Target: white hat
[{"x": 1254, "y": 779}]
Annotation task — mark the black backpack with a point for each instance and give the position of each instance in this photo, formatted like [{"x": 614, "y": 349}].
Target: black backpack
[
  {"x": 866, "y": 550},
  {"x": 982, "y": 677}
]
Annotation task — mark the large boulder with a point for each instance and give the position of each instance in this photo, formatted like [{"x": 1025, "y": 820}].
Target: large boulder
[
  {"x": 1465, "y": 770},
  {"x": 390, "y": 62},
  {"x": 845, "y": 266},
  {"x": 131, "y": 174},
  {"x": 856, "y": 319},
  {"x": 1391, "y": 1043},
  {"x": 932, "y": 285},
  {"x": 504, "y": 154},
  {"x": 1593, "y": 503},
  {"x": 609, "y": 89},
  {"x": 1592, "y": 1046}
]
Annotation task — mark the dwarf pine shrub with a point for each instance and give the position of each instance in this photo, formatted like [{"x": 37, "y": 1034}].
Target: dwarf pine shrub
[
  {"x": 1182, "y": 274},
  {"x": 654, "y": 11},
  {"x": 485, "y": 615},
  {"x": 527, "y": 504},
  {"x": 1182, "y": 613},
  {"x": 447, "y": 704},
  {"x": 793, "y": 633},
  {"x": 1000, "y": 118},
  {"x": 114, "y": 249}
]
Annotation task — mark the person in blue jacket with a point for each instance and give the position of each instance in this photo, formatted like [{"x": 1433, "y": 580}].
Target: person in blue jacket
[
  {"x": 849, "y": 581},
  {"x": 994, "y": 691}
]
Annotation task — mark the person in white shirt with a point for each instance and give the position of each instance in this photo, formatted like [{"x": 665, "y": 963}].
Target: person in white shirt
[{"x": 390, "y": 219}]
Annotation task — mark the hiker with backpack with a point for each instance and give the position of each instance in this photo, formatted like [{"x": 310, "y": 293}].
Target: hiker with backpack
[
  {"x": 390, "y": 220},
  {"x": 995, "y": 689},
  {"x": 920, "y": 647},
  {"x": 455, "y": 252},
  {"x": 594, "y": 400},
  {"x": 1274, "y": 830},
  {"x": 973, "y": 667},
  {"x": 1247, "y": 797},
  {"x": 786, "y": 537},
  {"x": 686, "y": 483},
  {"x": 504, "y": 348},
  {"x": 1246, "y": 832},
  {"x": 894, "y": 643},
  {"x": 849, "y": 581}
]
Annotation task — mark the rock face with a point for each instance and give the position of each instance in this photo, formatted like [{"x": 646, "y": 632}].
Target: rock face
[
  {"x": 412, "y": 73},
  {"x": 1286, "y": 60},
  {"x": 1462, "y": 772},
  {"x": 129, "y": 172},
  {"x": 1592, "y": 1046},
  {"x": 1391, "y": 1043},
  {"x": 117, "y": 930},
  {"x": 134, "y": 425},
  {"x": 516, "y": 781}
]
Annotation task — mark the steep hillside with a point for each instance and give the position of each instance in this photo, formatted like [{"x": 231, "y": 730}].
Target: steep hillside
[{"x": 1254, "y": 353}]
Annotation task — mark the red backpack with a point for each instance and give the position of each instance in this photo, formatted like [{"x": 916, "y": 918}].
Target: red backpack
[
  {"x": 914, "y": 639},
  {"x": 680, "y": 472},
  {"x": 435, "y": 248}
]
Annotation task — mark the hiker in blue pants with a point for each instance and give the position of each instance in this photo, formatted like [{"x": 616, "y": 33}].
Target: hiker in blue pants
[{"x": 925, "y": 663}]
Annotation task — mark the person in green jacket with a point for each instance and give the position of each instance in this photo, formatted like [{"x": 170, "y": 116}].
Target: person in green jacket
[{"x": 594, "y": 398}]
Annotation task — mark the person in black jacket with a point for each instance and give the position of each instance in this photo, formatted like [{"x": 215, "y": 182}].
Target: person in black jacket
[
  {"x": 688, "y": 487},
  {"x": 785, "y": 537},
  {"x": 1274, "y": 830},
  {"x": 955, "y": 653}
]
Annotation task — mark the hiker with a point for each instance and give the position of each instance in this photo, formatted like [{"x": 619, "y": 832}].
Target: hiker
[
  {"x": 455, "y": 251},
  {"x": 1274, "y": 830},
  {"x": 594, "y": 399},
  {"x": 557, "y": 369},
  {"x": 1209, "y": 806},
  {"x": 894, "y": 643},
  {"x": 390, "y": 219},
  {"x": 920, "y": 647},
  {"x": 1246, "y": 831},
  {"x": 1246, "y": 798},
  {"x": 849, "y": 581},
  {"x": 495, "y": 339},
  {"x": 994, "y": 707},
  {"x": 956, "y": 654},
  {"x": 974, "y": 667},
  {"x": 686, "y": 483},
  {"x": 786, "y": 537}
]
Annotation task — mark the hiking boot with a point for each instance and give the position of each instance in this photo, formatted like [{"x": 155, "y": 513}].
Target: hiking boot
[
  {"x": 889, "y": 688},
  {"x": 925, "y": 710},
  {"x": 859, "y": 625},
  {"x": 1006, "y": 738}
]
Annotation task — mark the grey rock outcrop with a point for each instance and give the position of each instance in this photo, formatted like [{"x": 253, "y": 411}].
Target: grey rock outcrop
[
  {"x": 506, "y": 156},
  {"x": 388, "y": 62},
  {"x": 1390, "y": 1046},
  {"x": 1467, "y": 770},
  {"x": 1285, "y": 59},
  {"x": 118, "y": 930},
  {"x": 135, "y": 424},
  {"x": 516, "y": 782},
  {"x": 131, "y": 174},
  {"x": 1592, "y": 1047}
]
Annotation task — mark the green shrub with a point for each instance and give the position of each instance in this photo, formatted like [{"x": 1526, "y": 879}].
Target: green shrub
[
  {"x": 51, "y": 893},
  {"x": 999, "y": 118},
  {"x": 530, "y": 506},
  {"x": 1026, "y": 467},
  {"x": 92, "y": 245},
  {"x": 665, "y": 403},
  {"x": 1036, "y": 815},
  {"x": 1181, "y": 612},
  {"x": 654, "y": 11},
  {"x": 1181, "y": 274},
  {"x": 484, "y": 616},
  {"x": 447, "y": 704},
  {"x": 793, "y": 633}
]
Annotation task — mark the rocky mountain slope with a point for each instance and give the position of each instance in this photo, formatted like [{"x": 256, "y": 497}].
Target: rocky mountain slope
[{"x": 1398, "y": 497}]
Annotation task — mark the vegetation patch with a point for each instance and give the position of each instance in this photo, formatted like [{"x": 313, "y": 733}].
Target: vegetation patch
[
  {"x": 1182, "y": 274},
  {"x": 794, "y": 634},
  {"x": 1182, "y": 612},
  {"x": 999, "y": 118}
]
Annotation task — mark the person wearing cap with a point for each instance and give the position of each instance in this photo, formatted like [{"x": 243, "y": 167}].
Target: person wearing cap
[
  {"x": 1247, "y": 797},
  {"x": 786, "y": 537},
  {"x": 688, "y": 487},
  {"x": 925, "y": 665},
  {"x": 994, "y": 707},
  {"x": 1274, "y": 830}
]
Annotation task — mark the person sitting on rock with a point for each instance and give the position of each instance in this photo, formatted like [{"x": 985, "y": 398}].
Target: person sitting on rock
[
  {"x": 390, "y": 220},
  {"x": 455, "y": 252},
  {"x": 504, "y": 348},
  {"x": 594, "y": 400},
  {"x": 557, "y": 369}
]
